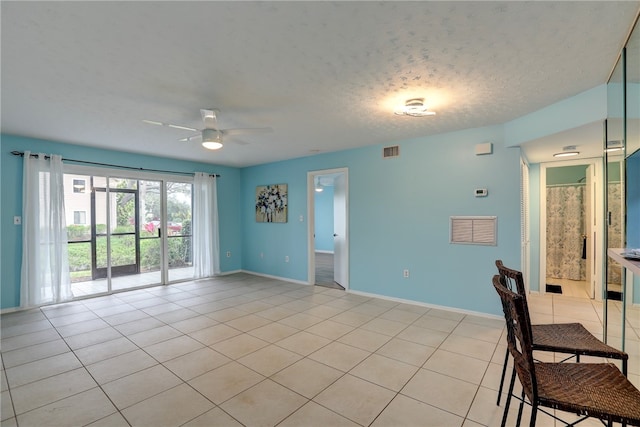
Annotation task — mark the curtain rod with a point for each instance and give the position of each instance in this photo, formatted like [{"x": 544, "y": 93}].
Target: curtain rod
[{"x": 21, "y": 154}]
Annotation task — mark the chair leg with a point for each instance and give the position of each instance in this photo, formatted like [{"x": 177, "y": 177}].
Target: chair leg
[
  {"x": 534, "y": 413},
  {"x": 504, "y": 371},
  {"x": 508, "y": 402},
  {"x": 521, "y": 407},
  {"x": 624, "y": 368}
]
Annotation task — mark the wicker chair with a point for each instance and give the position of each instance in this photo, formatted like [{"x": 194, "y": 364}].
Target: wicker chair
[
  {"x": 596, "y": 390},
  {"x": 567, "y": 338}
]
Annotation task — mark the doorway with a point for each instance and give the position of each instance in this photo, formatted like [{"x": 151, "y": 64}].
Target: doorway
[
  {"x": 571, "y": 229},
  {"x": 126, "y": 232},
  {"x": 328, "y": 242}
]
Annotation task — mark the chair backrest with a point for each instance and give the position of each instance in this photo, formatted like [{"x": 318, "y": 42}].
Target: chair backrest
[
  {"x": 519, "y": 340},
  {"x": 513, "y": 280}
]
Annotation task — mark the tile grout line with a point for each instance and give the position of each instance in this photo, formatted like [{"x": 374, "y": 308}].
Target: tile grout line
[{"x": 322, "y": 319}]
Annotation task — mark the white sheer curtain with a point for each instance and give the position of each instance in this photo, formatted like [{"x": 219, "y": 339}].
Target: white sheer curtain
[
  {"x": 206, "y": 246},
  {"x": 45, "y": 264}
]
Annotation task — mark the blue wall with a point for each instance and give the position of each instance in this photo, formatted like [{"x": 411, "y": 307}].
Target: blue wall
[
  {"x": 323, "y": 216},
  {"x": 566, "y": 174},
  {"x": 399, "y": 218},
  {"x": 399, "y": 214},
  {"x": 11, "y": 172},
  {"x": 584, "y": 108}
]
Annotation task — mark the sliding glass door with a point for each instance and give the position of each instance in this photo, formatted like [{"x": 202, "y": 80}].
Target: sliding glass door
[
  {"x": 127, "y": 232},
  {"x": 116, "y": 232},
  {"x": 179, "y": 242},
  {"x": 149, "y": 231}
]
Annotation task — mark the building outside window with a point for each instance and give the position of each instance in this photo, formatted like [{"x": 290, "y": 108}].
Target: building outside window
[
  {"x": 79, "y": 217},
  {"x": 79, "y": 186}
]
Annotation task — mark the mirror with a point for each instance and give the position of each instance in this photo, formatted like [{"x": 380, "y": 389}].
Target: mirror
[
  {"x": 632, "y": 194},
  {"x": 633, "y": 93},
  {"x": 614, "y": 213}
]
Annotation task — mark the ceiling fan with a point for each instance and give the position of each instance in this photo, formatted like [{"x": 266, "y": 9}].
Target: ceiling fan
[{"x": 211, "y": 135}]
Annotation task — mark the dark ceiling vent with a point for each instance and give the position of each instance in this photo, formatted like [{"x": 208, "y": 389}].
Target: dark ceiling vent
[{"x": 393, "y": 151}]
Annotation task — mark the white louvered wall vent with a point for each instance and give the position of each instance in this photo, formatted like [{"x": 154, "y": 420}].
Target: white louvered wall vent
[
  {"x": 393, "y": 151},
  {"x": 474, "y": 230}
]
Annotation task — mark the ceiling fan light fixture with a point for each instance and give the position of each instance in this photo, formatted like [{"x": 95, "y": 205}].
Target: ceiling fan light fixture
[
  {"x": 208, "y": 114},
  {"x": 211, "y": 145},
  {"x": 211, "y": 139},
  {"x": 415, "y": 108}
]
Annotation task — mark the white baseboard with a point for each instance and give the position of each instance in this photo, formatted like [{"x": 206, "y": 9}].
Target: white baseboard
[
  {"x": 269, "y": 276},
  {"x": 300, "y": 282},
  {"x": 385, "y": 297},
  {"x": 227, "y": 273},
  {"x": 13, "y": 309},
  {"x": 323, "y": 252},
  {"x": 424, "y": 304}
]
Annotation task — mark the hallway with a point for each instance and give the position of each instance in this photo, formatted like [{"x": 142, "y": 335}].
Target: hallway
[{"x": 324, "y": 271}]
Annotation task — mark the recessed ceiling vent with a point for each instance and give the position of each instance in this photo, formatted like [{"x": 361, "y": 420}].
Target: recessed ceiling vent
[{"x": 393, "y": 151}]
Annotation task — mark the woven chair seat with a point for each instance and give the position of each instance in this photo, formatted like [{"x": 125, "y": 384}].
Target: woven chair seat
[
  {"x": 572, "y": 338},
  {"x": 595, "y": 389}
]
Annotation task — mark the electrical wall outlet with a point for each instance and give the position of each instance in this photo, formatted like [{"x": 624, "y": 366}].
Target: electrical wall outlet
[
  {"x": 228, "y": 254},
  {"x": 286, "y": 258},
  {"x": 17, "y": 220},
  {"x": 405, "y": 273}
]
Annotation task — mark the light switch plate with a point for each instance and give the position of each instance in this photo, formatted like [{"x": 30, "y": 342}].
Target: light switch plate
[{"x": 17, "y": 220}]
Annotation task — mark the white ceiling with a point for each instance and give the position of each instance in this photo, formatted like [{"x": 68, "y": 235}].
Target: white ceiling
[{"x": 324, "y": 75}]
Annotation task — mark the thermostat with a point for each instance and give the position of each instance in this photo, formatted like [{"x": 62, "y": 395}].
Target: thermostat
[{"x": 481, "y": 192}]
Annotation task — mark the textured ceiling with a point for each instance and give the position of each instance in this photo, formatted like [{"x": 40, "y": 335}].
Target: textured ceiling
[{"x": 325, "y": 76}]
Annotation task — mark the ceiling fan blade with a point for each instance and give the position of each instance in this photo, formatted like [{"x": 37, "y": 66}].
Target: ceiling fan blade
[
  {"x": 182, "y": 127},
  {"x": 209, "y": 118},
  {"x": 195, "y": 137},
  {"x": 170, "y": 125},
  {"x": 245, "y": 131}
]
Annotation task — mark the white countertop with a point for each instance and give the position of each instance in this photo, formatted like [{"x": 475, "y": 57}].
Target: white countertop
[{"x": 629, "y": 264}]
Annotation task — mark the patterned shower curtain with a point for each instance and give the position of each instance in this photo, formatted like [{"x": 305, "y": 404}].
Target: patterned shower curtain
[
  {"x": 614, "y": 270},
  {"x": 565, "y": 228}
]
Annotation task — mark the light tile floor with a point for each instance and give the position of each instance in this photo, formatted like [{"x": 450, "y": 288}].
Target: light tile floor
[
  {"x": 575, "y": 306},
  {"x": 245, "y": 350},
  {"x": 86, "y": 288}
]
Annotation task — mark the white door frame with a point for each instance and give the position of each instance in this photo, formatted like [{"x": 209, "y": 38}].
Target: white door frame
[
  {"x": 525, "y": 226},
  {"x": 598, "y": 245},
  {"x": 311, "y": 259}
]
